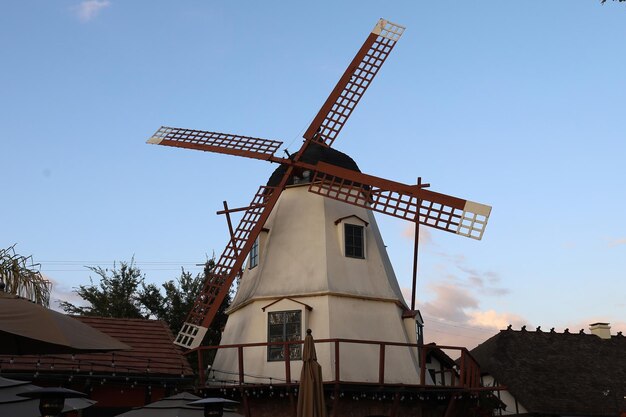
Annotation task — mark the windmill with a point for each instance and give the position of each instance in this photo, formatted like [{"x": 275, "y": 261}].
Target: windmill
[{"x": 337, "y": 182}]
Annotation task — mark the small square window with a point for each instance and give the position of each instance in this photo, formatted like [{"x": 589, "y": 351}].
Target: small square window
[
  {"x": 354, "y": 242},
  {"x": 284, "y": 326},
  {"x": 254, "y": 254}
]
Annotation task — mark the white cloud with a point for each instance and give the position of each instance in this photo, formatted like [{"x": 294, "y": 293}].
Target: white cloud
[
  {"x": 450, "y": 303},
  {"x": 89, "y": 9},
  {"x": 426, "y": 237},
  {"x": 406, "y": 293},
  {"x": 61, "y": 292},
  {"x": 575, "y": 327},
  {"x": 617, "y": 242},
  {"x": 570, "y": 245},
  {"x": 454, "y": 317},
  {"x": 495, "y": 320},
  {"x": 453, "y": 311}
]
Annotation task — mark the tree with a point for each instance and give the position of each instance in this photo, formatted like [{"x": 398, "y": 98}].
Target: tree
[
  {"x": 173, "y": 306},
  {"x": 21, "y": 277},
  {"x": 122, "y": 293},
  {"x": 114, "y": 296}
]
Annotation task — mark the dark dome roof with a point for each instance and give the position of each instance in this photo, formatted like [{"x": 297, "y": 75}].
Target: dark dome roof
[{"x": 313, "y": 154}]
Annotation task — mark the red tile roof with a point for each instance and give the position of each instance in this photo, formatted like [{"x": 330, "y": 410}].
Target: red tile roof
[{"x": 153, "y": 352}]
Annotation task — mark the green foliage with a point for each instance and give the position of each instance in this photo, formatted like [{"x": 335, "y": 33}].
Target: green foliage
[
  {"x": 123, "y": 293},
  {"x": 214, "y": 334},
  {"x": 176, "y": 300},
  {"x": 116, "y": 295},
  {"x": 21, "y": 277}
]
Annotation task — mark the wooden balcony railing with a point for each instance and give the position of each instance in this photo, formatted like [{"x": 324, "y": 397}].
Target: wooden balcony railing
[{"x": 465, "y": 374}]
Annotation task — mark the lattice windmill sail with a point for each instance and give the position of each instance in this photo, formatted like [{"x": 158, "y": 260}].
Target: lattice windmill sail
[{"x": 409, "y": 202}]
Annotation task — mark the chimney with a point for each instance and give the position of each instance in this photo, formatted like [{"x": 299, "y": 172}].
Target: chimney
[{"x": 602, "y": 330}]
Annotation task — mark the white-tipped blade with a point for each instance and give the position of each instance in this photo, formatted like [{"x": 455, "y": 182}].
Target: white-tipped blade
[
  {"x": 474, "y": 220},
  {"x": 388, "y": 30},
  {"x": 159, "y": 135},
  {"x": 190, "y": 336},
  {"x": 154, "y": 140}
]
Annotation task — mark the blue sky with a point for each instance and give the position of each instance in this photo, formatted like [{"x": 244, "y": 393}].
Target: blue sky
[{"x": 514, "y": 104}]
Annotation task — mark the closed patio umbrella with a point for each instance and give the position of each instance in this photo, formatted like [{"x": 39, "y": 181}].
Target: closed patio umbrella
[
  {"x": 27, "y": 328},
  {"x": 311, "y": 392}
]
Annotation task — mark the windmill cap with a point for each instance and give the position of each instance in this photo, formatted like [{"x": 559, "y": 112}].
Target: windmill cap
[{"x": 315, "y": 153}]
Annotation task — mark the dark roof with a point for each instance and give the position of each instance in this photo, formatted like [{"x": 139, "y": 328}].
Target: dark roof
[
  {"x": 152, "y": 348},
  {"x": 439, "y": 355},
  {"x": 313, "y": 154},
  {"x": 558, "y": 373}
]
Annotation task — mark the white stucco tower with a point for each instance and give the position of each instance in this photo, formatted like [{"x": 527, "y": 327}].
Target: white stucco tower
[{"x": 319, "y": 264}]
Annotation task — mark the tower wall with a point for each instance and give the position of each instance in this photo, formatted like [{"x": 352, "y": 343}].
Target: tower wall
[{"x": 302, "y": 266}]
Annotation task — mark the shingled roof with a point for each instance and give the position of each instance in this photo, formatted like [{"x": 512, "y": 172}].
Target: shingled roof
[
  {"x": 152, "y": 352},
  {"x": 151, "y": 340},
  {"x": 558, "y": 373}
]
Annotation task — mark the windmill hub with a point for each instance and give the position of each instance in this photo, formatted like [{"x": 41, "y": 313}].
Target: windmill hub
[{"x": 312, "y": 155}]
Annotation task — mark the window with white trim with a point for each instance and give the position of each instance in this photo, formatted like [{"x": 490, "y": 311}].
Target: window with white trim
[
  {"x": 284, "y": 326},
  {"x": 354, "y": 241}
]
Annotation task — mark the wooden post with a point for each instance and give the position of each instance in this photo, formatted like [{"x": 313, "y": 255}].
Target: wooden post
[
  {"x": 337, "y": 379},
  {"x": 286, "y": 353},
  {"x": 462, "y": 370},
  {"x": 416, "y": 244},
  {"x": 200, "y": 367},
  {"x": 381, "y": 364},
  {"x": 451, "y": 406},
  {"x": 423, "y": 366},
  {"x": 396, "y": 405},
  {"x": 240, "y": 357}
]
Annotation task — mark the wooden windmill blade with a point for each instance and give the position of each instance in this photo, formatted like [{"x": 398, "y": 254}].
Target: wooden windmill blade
[
  {"x": 226, "y": 143},
  {"x": 409, "y": 202},
  {"x": 229, "y": 265},
  {"x": 227, "y": 269},
  {"x": 352, "y": 85}
]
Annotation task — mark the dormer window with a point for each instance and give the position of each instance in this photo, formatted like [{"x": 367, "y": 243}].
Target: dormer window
[
  {"x": 354, "y": 240},
  {"x": 351, "y": 234}
]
